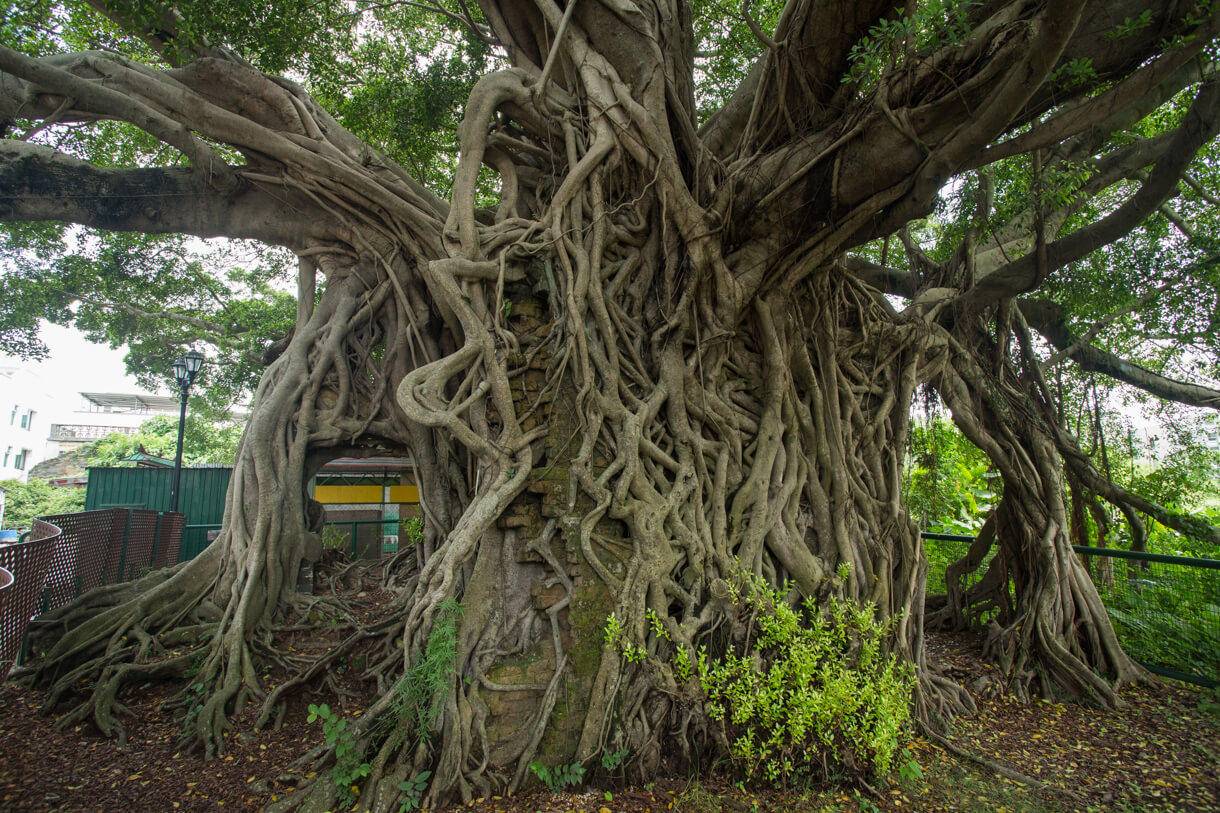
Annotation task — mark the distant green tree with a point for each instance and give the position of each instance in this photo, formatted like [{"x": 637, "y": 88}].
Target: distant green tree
[
  {"x": 949, "y": 486},
  {"x": 24, "y": 501},
  {"x": 157, "y": 295},
  {"x": 203, "y": 441}
]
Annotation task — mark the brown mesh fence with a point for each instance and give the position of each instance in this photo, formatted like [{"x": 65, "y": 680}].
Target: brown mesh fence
[
  {"x": 80, "y": 556},
  {"x": 28, "y": 563},
  {"x": 6, "y": 593},
  {"x": 108, "y": 546},
  {"x": 68, "y": 554}
]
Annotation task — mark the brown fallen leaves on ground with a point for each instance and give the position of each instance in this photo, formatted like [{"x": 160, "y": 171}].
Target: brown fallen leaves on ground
[{"x": 1161, "y": 752}]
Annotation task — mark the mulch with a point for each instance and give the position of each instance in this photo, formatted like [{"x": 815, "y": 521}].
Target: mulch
[{"x": 1160, "y": 752}]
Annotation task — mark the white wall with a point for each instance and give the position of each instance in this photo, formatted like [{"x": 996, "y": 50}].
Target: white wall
[{"x": 25, "y": 422}]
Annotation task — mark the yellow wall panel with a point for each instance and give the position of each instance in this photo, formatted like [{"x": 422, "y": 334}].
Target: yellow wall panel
[
  {"x": 401, "y": 494},
  {"x": 348, "y": 494}
]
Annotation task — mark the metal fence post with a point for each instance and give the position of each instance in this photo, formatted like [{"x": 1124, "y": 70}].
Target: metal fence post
[
  {"x": 152, "y": 562},
  {"x": 123, "y": 551}
]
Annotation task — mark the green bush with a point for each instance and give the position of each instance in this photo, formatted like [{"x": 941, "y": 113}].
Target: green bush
[
  {"x": 36, "y": 498},
  {"x": 813, "y": 694}
]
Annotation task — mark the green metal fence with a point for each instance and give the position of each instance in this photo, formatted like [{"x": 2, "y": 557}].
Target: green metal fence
[
  {"x": 202, "y": 499},
  {"x": 1165, "y": 609}
]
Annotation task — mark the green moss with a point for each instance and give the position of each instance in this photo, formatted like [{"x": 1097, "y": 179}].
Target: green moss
[
  {"x": 589, "y": 611},
  {"x": 512, "y": 667}
]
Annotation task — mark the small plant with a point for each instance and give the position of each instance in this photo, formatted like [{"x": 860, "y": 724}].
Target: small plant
[
  {"x": 1078, "y": 71},
  {"x": 1209, "y": 702},
  {"x": 612, "y": 759},
  {"x": 413, "y": 791},
  {"x": 559, "y": 777},
  {"x": 615, "y": 636},
  {"x": 866, "y": 804},
  {"x": 656, "y": 625},
  {"x": 1130, "y": 26},
  {"x": 683, "y": 668},
  {"x": 413, "y": 530},
  {"x": 333, "y": 538},
  {"x": 908, "y": 767},
  {"x": 424, "y": 688},
  {"x": 192, "y": 700},
  {"x": 348, "y": 766}
]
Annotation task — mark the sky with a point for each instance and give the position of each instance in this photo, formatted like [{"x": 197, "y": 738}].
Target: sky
[{"x": 75, "y": 365}]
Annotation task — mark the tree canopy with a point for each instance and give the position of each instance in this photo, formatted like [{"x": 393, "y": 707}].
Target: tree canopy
[
  {"x": 203, "y": 441},
  {"x": 647, "y": 291}
]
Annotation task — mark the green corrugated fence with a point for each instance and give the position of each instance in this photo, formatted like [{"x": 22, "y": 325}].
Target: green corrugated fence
[
  {"x": 1165, "y": 609},
  {"x": 202, "y": 499}
]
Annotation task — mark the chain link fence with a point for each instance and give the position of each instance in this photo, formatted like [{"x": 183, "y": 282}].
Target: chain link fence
[{"x": 1165, "y": 609}]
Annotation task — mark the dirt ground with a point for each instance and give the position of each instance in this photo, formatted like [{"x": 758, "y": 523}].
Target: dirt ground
[{"x": 1161, "y": 752}]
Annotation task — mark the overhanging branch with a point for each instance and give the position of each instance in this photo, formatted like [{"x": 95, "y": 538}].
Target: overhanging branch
[
  {"x": 40, "y": 184},
  {"x": 1200, "y": 126},
  {"x": 1049, "y": 320}
]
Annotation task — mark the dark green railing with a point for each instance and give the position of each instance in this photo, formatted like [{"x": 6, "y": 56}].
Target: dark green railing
[{"x": 1165, "y": 609}]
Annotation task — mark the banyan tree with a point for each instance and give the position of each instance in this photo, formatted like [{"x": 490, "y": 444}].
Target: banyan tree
[{"x": 654, "y": 326}]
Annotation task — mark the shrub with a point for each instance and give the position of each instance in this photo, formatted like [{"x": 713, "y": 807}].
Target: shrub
[{"x": 814, "y": 694}]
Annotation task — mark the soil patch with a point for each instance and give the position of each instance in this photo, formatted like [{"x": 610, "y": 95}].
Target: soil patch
[{"x": 1160, "y": 752}]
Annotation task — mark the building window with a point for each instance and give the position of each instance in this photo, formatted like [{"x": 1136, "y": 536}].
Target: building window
[
  {"x": 7, "y": 453},
  {"x": 19, "y": 462},
  {"x": 27, "y": 420},
  {"x": 12, "y": 419}
]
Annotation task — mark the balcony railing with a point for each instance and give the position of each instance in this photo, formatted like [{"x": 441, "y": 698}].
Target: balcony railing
[{"x": 70, "y": 432}]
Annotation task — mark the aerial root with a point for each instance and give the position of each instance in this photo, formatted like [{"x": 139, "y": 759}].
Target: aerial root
[
  {"x": 102, "y": 704},
  {"x": 316, "y": 668}
]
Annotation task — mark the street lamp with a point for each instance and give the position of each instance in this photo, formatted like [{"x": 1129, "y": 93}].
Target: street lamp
[{"x": 185, "y": 370}]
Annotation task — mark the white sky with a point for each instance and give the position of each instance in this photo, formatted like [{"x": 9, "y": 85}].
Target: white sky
[{"x": 75, "y": 365}]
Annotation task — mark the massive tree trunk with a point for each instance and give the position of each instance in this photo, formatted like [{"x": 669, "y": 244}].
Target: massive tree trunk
[{"x": 647, "y": 370}]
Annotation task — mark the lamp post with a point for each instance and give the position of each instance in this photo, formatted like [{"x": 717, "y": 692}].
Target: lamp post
[{"x": 185, "y": 370}]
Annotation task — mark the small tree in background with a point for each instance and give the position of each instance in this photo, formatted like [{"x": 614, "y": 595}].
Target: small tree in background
[{"x": 203, "y": 441}]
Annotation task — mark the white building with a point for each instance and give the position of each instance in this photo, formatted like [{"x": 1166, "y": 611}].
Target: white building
[
  {"x": 24, "y": 409},
  {"x": 105, "y": 413}
]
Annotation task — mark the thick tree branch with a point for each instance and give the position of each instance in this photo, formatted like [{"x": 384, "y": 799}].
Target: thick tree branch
[
  {"x": 38, "y": 183},
  {"x": 1100, "y": 484},
  {"x": 1201, "y": 125},
  {"x": 96, "y": 97},
  {"x": 885, "y": 279},
  {"x": 1121, "y": 105},
  {"x": 1048, "y": 319}
]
